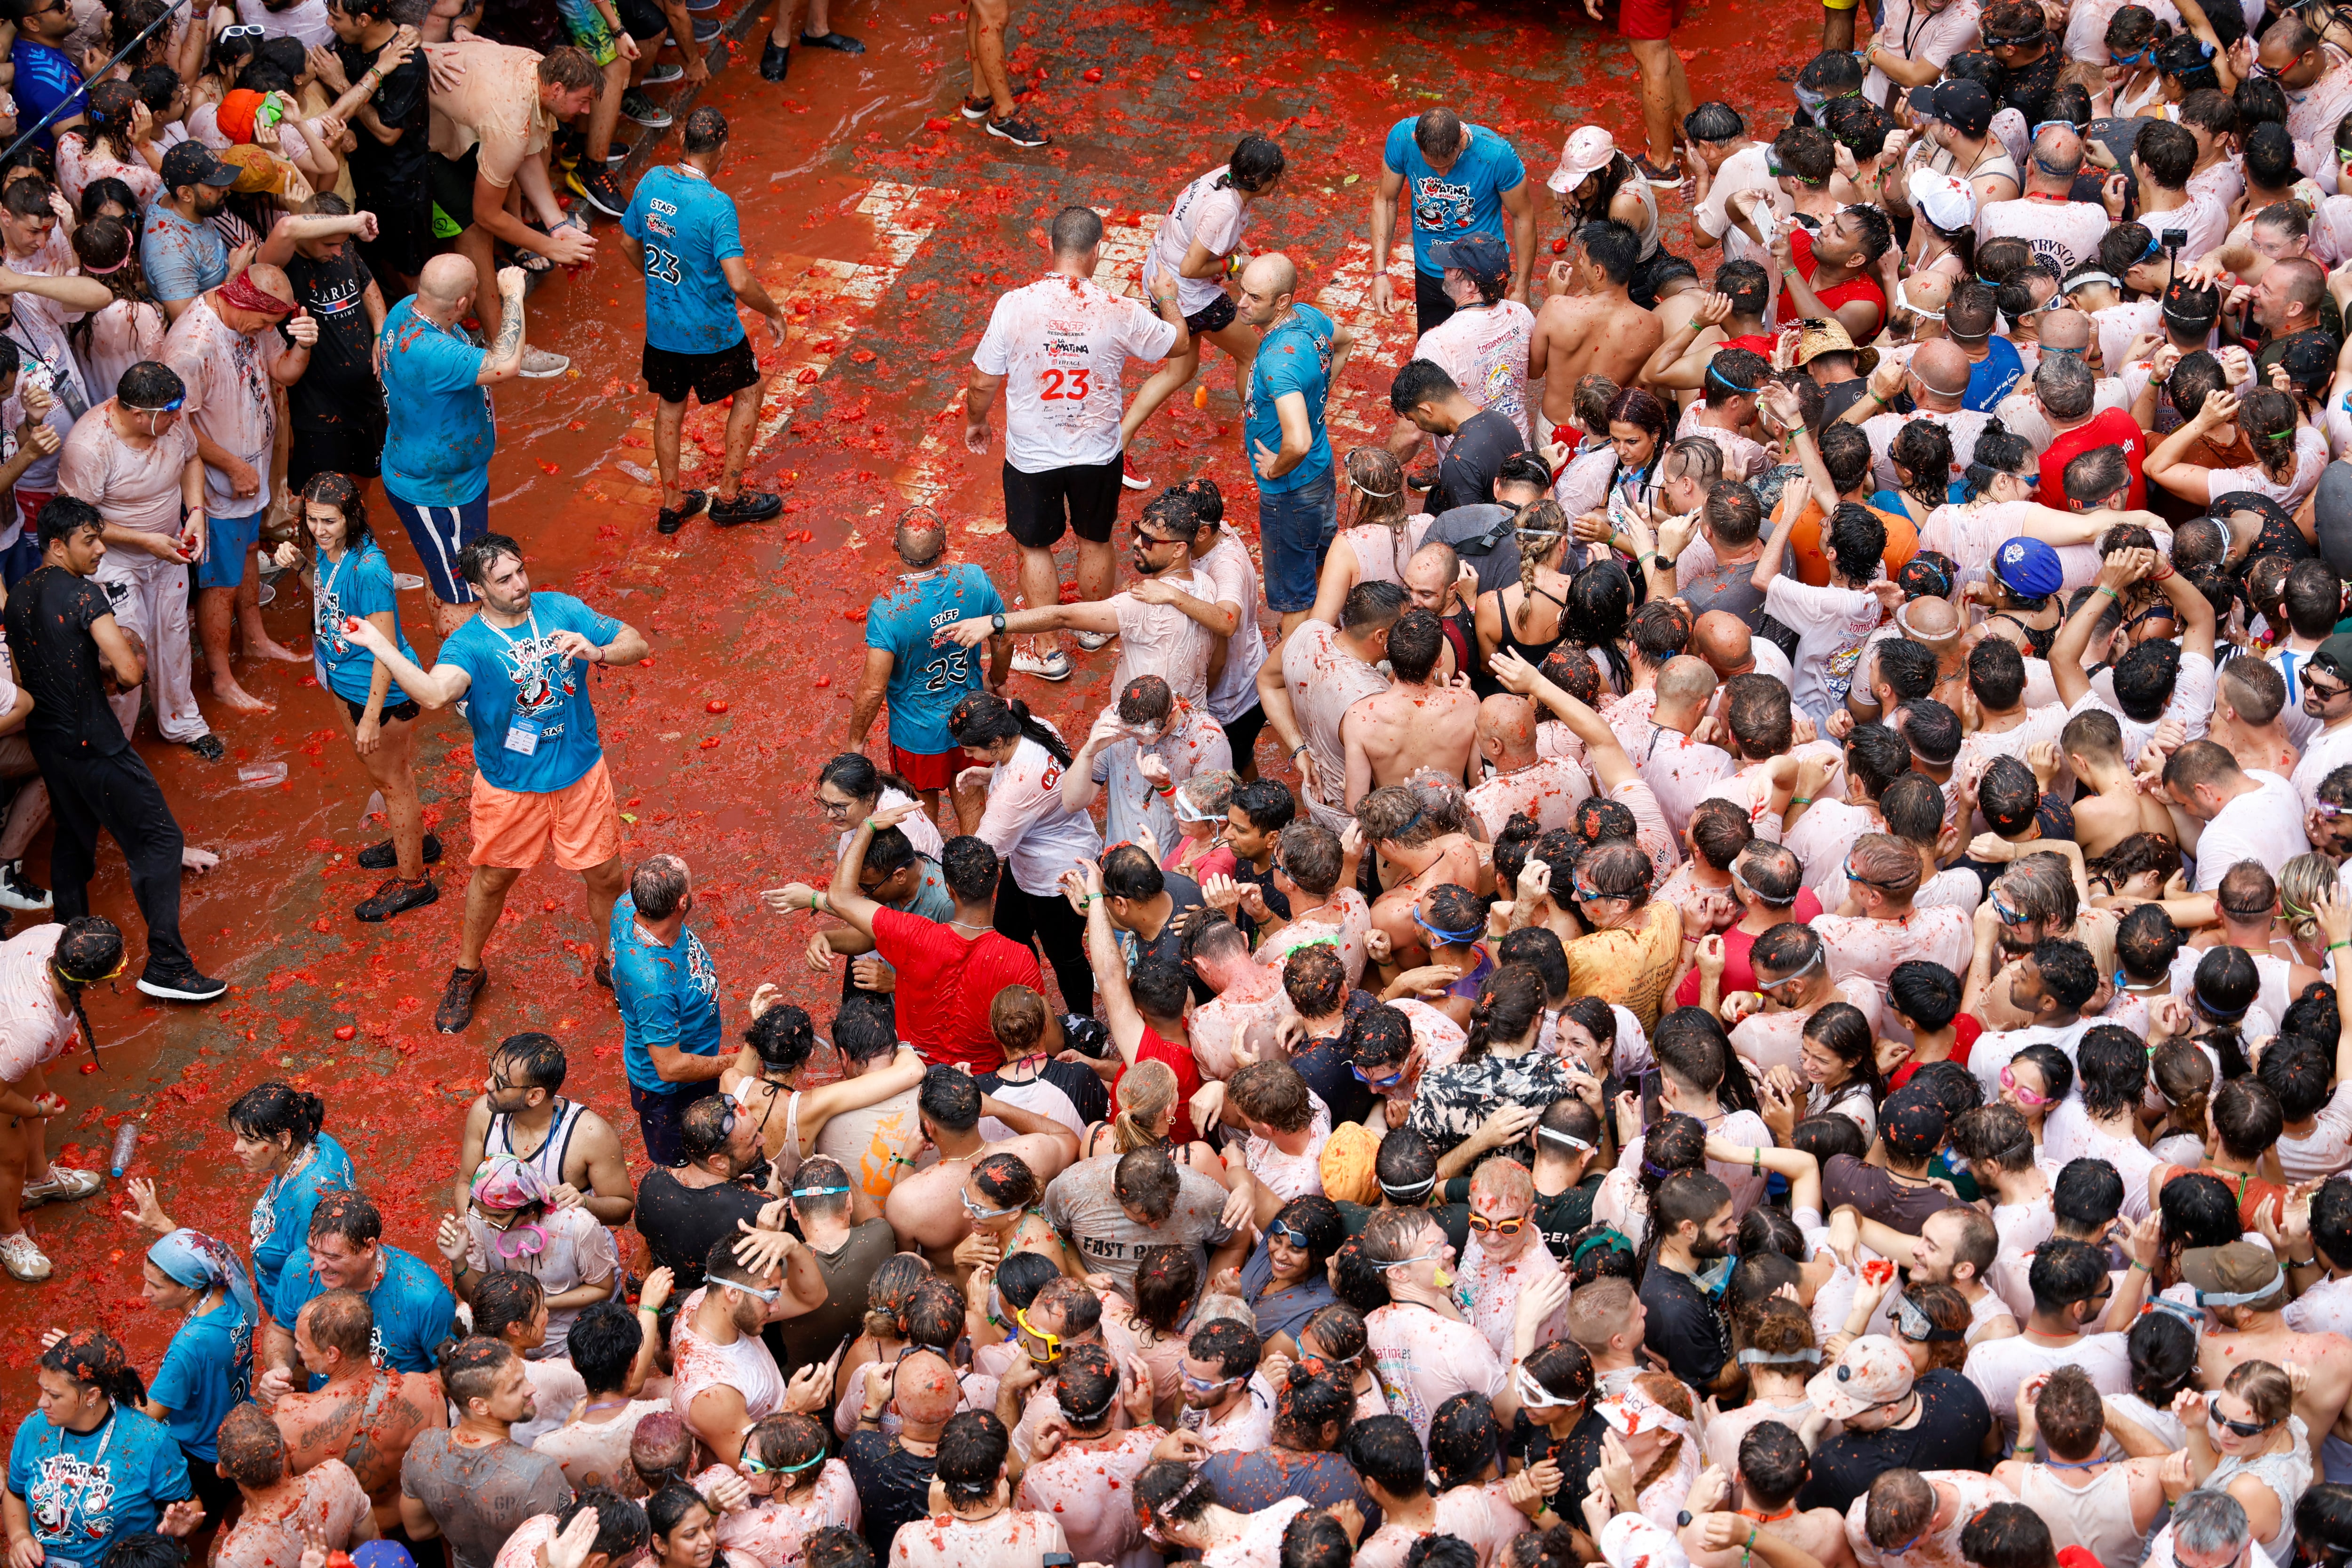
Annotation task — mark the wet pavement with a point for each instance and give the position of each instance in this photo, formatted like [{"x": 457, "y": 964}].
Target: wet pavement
[{"x": 888, "y": 225}]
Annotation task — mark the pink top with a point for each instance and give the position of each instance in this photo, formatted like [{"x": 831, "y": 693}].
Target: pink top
[
  {"x": 33, "y": 1029},
  {"x": 769, "y": 1532},
  {"x": 745, "y": 1366},
  {"x": 1858, "y": 945},
  {"x": 1342, "y": 922},
  {"x": 1480, "y": 1516},
  {"x": 1085, "y": 1489},
  {"x": 1381, "y": 554},
  {"x": 228, "y": 377},
  {"x": 330, "y": 1504},
  {"x": 80, "y": 165},
  {"x": 120, "y": 335}
]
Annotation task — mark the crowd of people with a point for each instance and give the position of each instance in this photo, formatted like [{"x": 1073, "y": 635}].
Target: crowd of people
[{"x": 1789, "y": 1013}]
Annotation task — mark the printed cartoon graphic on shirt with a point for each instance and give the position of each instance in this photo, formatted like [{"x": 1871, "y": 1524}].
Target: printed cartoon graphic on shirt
[
  {"x": 700, "y": 973},
  {"x": 542, "y": 677},
  {"x": 1441, "y": 206},
  {"x": 73, "y": 1497},
  {"x": 327, "y": 625}
]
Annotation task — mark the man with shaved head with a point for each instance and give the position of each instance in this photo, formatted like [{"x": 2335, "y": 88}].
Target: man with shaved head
[
  {"x": 1937, "y": 376},
  {"x": 893, "y": 1474},
  {"x": 1419, "y": 721},
  {"x": 2060, "y": 230},
  {"x": 1916, "y": 311},
  {"x": 1300, "y": 354},
  {"x": 924, "y": 681},
  {"x": 1436, "y": 579},
  {"x": 1729, "y": 649},
  {"x": 364, "y": 1415},
  {"x": 1680, "y": 769},
  {"x": 229, "y": 353},
  {"x": 1522, "y": 784},
  {"x": 2069, "y": 334},
  {"x": 436, "y": 455}
]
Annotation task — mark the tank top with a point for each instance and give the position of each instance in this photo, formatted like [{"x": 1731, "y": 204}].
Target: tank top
[
  {"x": 1379, "y": 554},
  {"x": 1648, "y": 232},
  {"x": 547, "y": 1158},
  {"x": 1535, "y": 653},
  {"x": 2288, "y": 1475},
  {"x": 2096, "y": 1516},
  {"x": 746, "y": 1366}
]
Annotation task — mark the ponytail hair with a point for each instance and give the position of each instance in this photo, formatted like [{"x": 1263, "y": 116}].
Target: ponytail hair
[
  {"x": 97, "y": 1360},
  {"x": 2268, "y": 418},
  {"x": 1256, "y": 163},
  {"x": 90, "y": 950},
  {"x": 1540, "y": 530},
  {"x": 1510, "y": 1004},
  {"x": 1145, "y": 1090},
  {"x": 984, "y": 719}
]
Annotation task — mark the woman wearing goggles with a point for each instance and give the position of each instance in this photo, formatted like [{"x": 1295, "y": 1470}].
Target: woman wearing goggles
[
  {"x": 1284, "y": 1281},
  {"x": 796, "y": 1491}
]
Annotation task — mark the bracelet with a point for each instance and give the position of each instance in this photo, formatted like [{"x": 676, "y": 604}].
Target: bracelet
[
  {"x": 816, "y": 902},
  {"x": 2110, "y": 593},
  {"x": 2303, "y": 1262},
  {"x": 2025, "y": 1447},
  {"x": 1086, "y": 902},
  {"x": 1874, "y": 398},
  {"x": 1800, "y": 800},
  {"x": 1164, "y": 794},
  {"x": 1298, "y": 747},
  {"x": 2143, "y": 1267},
  {"x": 2333, "y": 945}
]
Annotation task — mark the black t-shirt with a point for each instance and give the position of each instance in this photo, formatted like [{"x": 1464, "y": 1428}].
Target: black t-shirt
[
  {"x": 1183, "y": 893},
  {"x": 339, "y": 389},
  {"x": 682, "y": 1224},
  {"x": 1330, "y": 1073},
  {"x": 1948, "y": 1435},
  {"x": 1466, "y": 476},
  {"x": 1089, "y": 1097},
  {"x": 894, "y": 1486},
  {"x": 49, "y": 620},
  {"x": 1562, "y": 1214},
  {"x": 1686, "y": 1326},
  {"x": 1277, "y": 900},
  {"x": 381, "y": 171},
  {"x": 1578, "y": 1455},
  {"x": 2026, "y": 87}
]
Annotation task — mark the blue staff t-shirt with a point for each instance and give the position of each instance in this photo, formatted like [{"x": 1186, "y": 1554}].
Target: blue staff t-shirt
[
  {"x": 1465, "y": 199},
  {"x": 1993, "y": 378},
  {"x": 281, "y": 1215},
  {"x": 669, "y": 996},
  {"x": 358, "y": 585},
  {"x": 534, "y": 729},
  {"x": 927, "y": 682},
  {"x": 437, "y": 452},
  {"x": 207, "y": 1372},
  {"x": 85, "y": 1490},
  {"x": 1294, "y": 357},
  {"x": 46, "y": 80},
  {"x": 413, "y": 1310},
  {"x": 688, "y": 226}
]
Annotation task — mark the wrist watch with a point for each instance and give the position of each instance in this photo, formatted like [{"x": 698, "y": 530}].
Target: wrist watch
[{"x": 997, "y": 622}]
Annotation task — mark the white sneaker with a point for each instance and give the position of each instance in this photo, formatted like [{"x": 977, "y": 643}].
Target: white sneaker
[
  {"x": 538, "y": 364},
  {"x": 22, "y": 1258},
  {"x": 64, "y": 1184},
  {"x": 17, "y": 892},
  {"x": 1055, "y": 666},
  {"x": 1091, "y": 641}
]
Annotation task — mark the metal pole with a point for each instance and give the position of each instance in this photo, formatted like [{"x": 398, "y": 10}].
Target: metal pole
[{"x": 43, "y": 123}]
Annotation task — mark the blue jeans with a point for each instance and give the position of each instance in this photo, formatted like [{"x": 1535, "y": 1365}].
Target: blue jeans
[{"x": 1295, "y": 528}]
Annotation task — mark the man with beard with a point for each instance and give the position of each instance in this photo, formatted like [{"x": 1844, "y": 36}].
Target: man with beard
[
  {"x": 727, "y": 1380},
  {"x": 365, "y": 1415},
  {"x": 1892, "y": 1419},
  {"x": 523, "y": 1113},
  {"x": 472, "y": 1484},
  {"x": 182, "y": 255},
  {"x": 1698, "y": 1229}
]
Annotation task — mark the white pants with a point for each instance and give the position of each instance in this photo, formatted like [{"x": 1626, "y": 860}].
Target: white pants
[{"x": 151, "y": 598}]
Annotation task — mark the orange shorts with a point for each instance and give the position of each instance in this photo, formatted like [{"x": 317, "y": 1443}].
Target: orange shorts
[{"x": 513, "y": 828}]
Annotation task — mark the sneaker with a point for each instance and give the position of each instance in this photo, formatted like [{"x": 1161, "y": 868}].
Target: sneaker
[
  {"x": 1422, "y": 478},
  {"x": 207, "y": 746},
  {"x": 1668, "y": 178},
  {"x": 841, "y": 41},
  {"x": 538, "y": 364},
  {"x": 748, "y": 506},
  {"x": 396, "y": 896},
  {"x": 1055, "y": 666},
  {"x": 64, "y": 1184},
  {"x": 705, "y": 30},
  {"x": 979, "y": 108},
  {"x": 457, "y": 993},
  {"x": 1017, "y": 130},
  {"x": 662, "y": 75},
  {"x": 603, "y": 193},
  {"x": 672, "y": 519},
  {"x": 1090, "y": 642},
  {"x": 636, "y": 106},
  {"x": 384, "y": 856},
  {"x": 18, "y": 891},
  {"x": 181, "y": 985},
  {"x": 774, "y": 60},
  {"x": 23, "y": 1259},
  {"x": 618, "y": 153},
  {"x": 603, "y": 972},
  {"x": 1129, "y": 476}
]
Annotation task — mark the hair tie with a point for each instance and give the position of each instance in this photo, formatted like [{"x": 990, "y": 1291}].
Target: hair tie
[{"x": 101, "y": 271}]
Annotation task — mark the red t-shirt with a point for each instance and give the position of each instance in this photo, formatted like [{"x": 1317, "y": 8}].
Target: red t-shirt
[
  {"x": 1157, "y": 1048},
  {"x": 2108, "y": 427},
  {"x": 2253, "y": 1193},
  {"x": 946, "y": 984},
  {"x": 1861, "y": 285},
  {"x": 1737, "y": 974},
  {"x": 1965, "y": 1030}
]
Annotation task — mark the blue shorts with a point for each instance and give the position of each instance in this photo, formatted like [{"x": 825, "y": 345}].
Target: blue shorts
[
  {"x": 228, "y": 541},
  {"x": 1295, "y": 528},
  {"x": 438, "y": 532}
]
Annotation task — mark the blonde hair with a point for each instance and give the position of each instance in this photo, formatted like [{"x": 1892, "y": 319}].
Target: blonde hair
[
  {"x": 2184, "y": 1076},
  {"x": 1506, "y": 1178},
  {"x": 1542, "y": 531},
  {"x": 2302, "y": 882},
  {"x": 2264, "y": 1388},
  {"x": 1148, "y": 1090},
  {"x": 1381, "y": 500}
]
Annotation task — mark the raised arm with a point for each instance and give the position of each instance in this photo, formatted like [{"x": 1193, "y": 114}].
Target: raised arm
[
  {"x": 2067, "y": 662},
  {"x": 1602, "y": 747},
  {"x": 2189, "y": 482},
  {"x": 1103, "y": 956}
]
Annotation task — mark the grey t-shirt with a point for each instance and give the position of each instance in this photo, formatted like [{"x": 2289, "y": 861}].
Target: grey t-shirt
[
  {"x": 478, "y": 1495},
  {"x": 1725, "y": 588},
  {"x": 799, "y": 1342},
  {"x": 1466, "y": 528},
  {"x": 1081, "y": 1205}
]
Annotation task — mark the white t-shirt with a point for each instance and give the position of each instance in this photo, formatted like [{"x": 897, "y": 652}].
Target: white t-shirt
[
  {"x": 1832, "y": 624},
  {"x": 2328, "y": 1149},
  {"x": 1205, "y": 212},
  {"x": 1942, "y": 1549},
  {"x": 2191, "y": 703},
  {"x": 1998, "y": 1366},
  {"x": 2264, "y": 824},
  {"x": 1027, "y": 825},
  {"x": 1235, "y": 578},
  {"x": 1485, "y": 349},
  {"x": 34, "y": 1030},
  {"x": 1061, "y": 343},
  {"x": 2327, "y": 751},
  {"x": 1162, "y": 640},
  {"x": 2067, "y": 233}
]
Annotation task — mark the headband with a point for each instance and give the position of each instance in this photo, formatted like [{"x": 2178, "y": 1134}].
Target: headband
[
  {"x": 2084, "y": 279},
  {"x": 1188, "y": 1490},
  {"x": 241, "y": 292},
  {"x": 1903, "y": 302},
  {"x": 1726, "y": 382},
  {"x": 196, "y": 1259},
  {"x": 1411, "y": 1189},
  {"x": 1553, "y": 1135},
  {"x": 819, "y": 1192},
  {"x": 1614, "y": 1239},
  {"x": 102, "y": 271},
  {"x": 1780, "y": 1358},
  {"x": 2242, "y": 1298},
  {"x": 1629, "y": 1412},
  {"x": 1748, "y": 888}
]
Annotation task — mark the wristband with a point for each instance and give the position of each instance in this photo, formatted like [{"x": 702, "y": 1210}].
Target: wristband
[
  {"x": 1874, "y": 398},
  {"x": 1298, "y": 747},
  {"x": 1800, "y": 800},
  {"x": 1164, "y": 794},
  {"x": 2136, "y": 1263},
  {"x": 816, "y": 902},
  {"x": 2333, "y": 945},
  {"x": 2110, "y": 593}
]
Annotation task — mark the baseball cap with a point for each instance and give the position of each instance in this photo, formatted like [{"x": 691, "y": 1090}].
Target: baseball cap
[
  {"x": 1944, "y": 200},
  {"x": 193, "y": 164},
  {"x": 1874, "y": 1370},
  {"x": 2336, "y": 653},
  {"x": 1480, "y": 255},
  {"x": 1965, "y": 106},
  {"x": 2238, "y": 1274},
  {"x": 382, "y": 1554},
  {"x": 1587, "y": 150},
  {"x": 1911, "y": 1123},
  {"x": 2028, "y": 568}
]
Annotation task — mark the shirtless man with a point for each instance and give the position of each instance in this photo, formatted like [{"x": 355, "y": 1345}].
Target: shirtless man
[
  {"x": 2116, "y": 807},
  {"x": 1325, "y": 669},
  {"x": 2258, "y": 1331},
  {"x": 520, "y": 1114},
  {"x": 931, "y": 1209},
  {"x": 1418, "y": 851},
  {"x": 1415, "y": 723},
  {"x": 1589, "y": 323},
  {"x": 1771, "y": 1468},
  {"x": 2249, "y": 716},
  {"x": 365, "y": 1415}
]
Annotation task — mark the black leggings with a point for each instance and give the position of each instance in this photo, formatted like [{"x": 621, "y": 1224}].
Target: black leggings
[
  {"x": 1059, "y": 931},
  {"x": 116, "y": 795}
]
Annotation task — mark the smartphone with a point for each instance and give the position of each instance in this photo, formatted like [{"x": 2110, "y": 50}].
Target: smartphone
[{"x": 1649, "y": 1085}]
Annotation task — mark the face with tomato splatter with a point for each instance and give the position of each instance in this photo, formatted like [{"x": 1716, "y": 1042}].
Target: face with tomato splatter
[
  {"x": 76, "y": 1407},
  {"x": 258, "y": 1154},
  {"x": 342, "y": 1265}
]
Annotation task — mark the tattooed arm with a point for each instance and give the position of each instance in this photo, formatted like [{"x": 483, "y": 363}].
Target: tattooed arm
[{"x": 503, "y": 361}]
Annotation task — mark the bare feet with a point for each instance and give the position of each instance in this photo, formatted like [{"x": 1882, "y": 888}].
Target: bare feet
[
  {"x": 263, "y": 648},
  {"x": 227, "y": 690},
  {"x": 197, "y": 860}
]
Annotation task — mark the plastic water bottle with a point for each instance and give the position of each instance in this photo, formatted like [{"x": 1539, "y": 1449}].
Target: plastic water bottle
[{"x": 126, "y": 1141}]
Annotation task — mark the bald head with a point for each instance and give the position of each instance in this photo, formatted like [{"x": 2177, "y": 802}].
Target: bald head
[
  {"x": 1942, "y": 372},
  {"x": 448, "y": 281},
  {"x": 272, "y": 281},
  {"x": 921, "y": 535},
  {"x": 2057, "y": 159},
  {"x": 926, "y": 1390},
  {"x": 1507, "y": 731},
  {"x": 1270, "y": 276},
  {"x": 1930, "y": 620},
  {"x": 1722, "y": 640},
  {"x": 2065, "y": 328}
]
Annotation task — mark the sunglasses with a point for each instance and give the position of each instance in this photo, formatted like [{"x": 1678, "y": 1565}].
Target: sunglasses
[
  {"x": 239, "y": 31},
  {"x": 2242, "y": 1429},
  {"x": 1204, "y": 1385},
  {"x": 2325, "y": 693},
  {"x": 977, "y": 1212},
  {"x": 2009, "y": 1083},
  {"x": 1481, "y": 1224}
]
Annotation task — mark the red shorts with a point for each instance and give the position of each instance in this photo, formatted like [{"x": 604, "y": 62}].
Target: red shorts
[
  {"x": 514, "y": 829},
  {"x": 1648, "y": 19},
  {"x": 932, "y": 770}
]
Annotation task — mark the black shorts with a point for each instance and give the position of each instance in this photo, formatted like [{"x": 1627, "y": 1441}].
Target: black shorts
[
  {"x": 710, "y": 377},
  {"x": 1431, "y": 306},
  {"x": 643, "y": 18},
  {"x": 355, "y": 448},
  {"x": 451, "y": 182},
  {"x": 1214, "y": 317},
  {"x": 406, "y": 709},
  {"x": 403, "y": 233},
  {"x": 1038, "y": 507},
  {"x": 1242, "y": 734}
]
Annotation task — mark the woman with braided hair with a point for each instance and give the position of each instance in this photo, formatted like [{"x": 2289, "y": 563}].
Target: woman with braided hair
[
  {"x": 1384, "y": 532},
  {"x": 42, "y": 973},
  {"x": 1530, "y": 616},
  {"x": 89, "y": 1467}
]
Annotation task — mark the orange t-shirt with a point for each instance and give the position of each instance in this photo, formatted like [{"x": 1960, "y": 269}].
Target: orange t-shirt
[{"x": 1814, "y": 567}]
